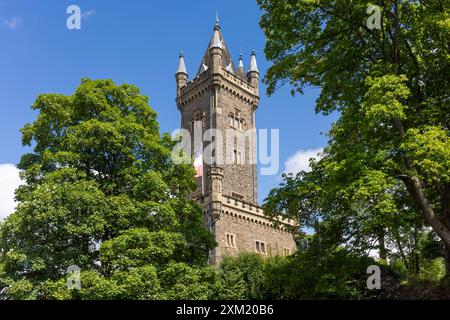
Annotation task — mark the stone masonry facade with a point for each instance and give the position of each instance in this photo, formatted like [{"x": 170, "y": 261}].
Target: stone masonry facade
[{"x": 225, "y": 98}]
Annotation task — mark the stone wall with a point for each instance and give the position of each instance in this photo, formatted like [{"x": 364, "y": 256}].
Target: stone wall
[
  {"x": 238, "y": 178},
  {"x": 248, "y": 224},
  {"x": 233, "y": 95}
]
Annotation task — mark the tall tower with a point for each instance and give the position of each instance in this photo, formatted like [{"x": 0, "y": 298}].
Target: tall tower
[{"x": 218, "y": 110}]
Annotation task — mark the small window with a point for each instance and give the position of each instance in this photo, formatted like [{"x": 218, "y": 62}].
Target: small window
[
  {"x": 231, "y": 119},
  {"x": 231, "y": 240},
  {"x": 237, "y": 157},
  {"x": 287, "y": 251},
  {"x": 260, "y": 247}
]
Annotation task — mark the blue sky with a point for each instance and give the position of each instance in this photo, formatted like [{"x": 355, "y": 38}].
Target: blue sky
[{"x": 138, "y": 42}]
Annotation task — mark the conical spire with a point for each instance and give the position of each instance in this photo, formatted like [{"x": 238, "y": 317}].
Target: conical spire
[
  {"x": 241, "y": 69},
  {"x": 217, "y": 41},
  {"x": 181, "y": 64},
  {"x": 253, "y": 65},
  {"x": 241, "y": 62}
]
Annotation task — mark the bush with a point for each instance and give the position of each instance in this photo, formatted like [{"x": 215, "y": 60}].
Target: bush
[
  {"x": 338, "y": 275},
  {"x": 433, "y": 270},
  {"x": 306, "y": 275},
  {"x": 242, "y": 277}
]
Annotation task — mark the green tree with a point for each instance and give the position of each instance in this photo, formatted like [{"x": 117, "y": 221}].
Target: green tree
[
  {"x": 242, "y": 277},
  {"x": 391, "y": 89},
  {"x": 310, "y": 274},
  {"x": 101, "y": 193}
]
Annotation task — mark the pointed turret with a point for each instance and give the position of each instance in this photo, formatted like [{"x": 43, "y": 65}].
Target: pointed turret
[
  {"x": 216, "y": 47},
  {"x": 253, "y": 65},
  {"x": 216, "y": 59},
  {"x": 181, "y": 76},
  {"x": 241, "y": 69},
  {"x": 253, "y": 72},
  {"x": 181, "y": 64},
  {"x": 216, "y": 40}
]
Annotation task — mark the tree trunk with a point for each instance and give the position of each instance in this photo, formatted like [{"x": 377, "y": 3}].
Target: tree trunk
[
  {"x": 447, "y": 261},
  {"x": 446, "y": 219},
  {"x": 415, "y": 188},
  {"x": 400, "y": 249},
  {"x": 382, "y": 251},
  {"x": 439, "y": 226}
]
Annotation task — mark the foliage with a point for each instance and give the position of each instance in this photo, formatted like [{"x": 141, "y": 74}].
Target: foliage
[
  {"x": 383, "y": 180},
  {"x": 242, "y": 277},
  {"x": 306, "y": 275},
  {"x": 432, "y": 269},
  {"x": 102, "y": 193},
  {"x": 187, "y": 283}
]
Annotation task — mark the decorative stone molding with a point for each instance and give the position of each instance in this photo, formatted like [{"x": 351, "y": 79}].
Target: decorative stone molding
[{"x": 247, "y": 212}]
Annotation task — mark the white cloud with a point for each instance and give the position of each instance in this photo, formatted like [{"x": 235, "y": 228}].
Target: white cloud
[
  {"x": 86, "y": 15},
  {"x": 300, "y": 160},
  {"x": 9, "y": 182},
  {"x": 12, "y": 23}
]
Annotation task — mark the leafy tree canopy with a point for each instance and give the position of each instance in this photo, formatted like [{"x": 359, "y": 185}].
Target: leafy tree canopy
[
  {"x": 101, "y": 193},
  {"x": 384, "y": 175}
]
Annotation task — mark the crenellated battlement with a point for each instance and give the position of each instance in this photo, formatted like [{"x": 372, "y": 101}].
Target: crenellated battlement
[
  {"x": 201, "y": 84},
  {"x": 248, "y": 211}
]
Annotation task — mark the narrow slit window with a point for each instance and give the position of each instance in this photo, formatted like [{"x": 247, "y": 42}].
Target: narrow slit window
[{"x": 231, "y": 240}]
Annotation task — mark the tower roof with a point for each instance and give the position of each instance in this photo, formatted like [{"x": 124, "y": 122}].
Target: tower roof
[
  {"x": 181, "y": 64},
  {"x": 217, "y": 40},
  {"x": 241, "y": 69},
  {"x": 253, "y": 65}
]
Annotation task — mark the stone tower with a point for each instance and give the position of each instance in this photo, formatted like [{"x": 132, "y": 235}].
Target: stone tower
[{"x": 218, "y": 110}]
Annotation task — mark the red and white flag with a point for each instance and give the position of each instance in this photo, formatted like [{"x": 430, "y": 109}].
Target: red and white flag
[{"x": 198, "y": 164}]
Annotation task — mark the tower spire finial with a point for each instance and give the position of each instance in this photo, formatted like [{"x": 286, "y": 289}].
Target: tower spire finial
[
  {"x": 217, "y": 41},
  {"x": 216, "y": 25},
  {"x": 241, "y": 71}
]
